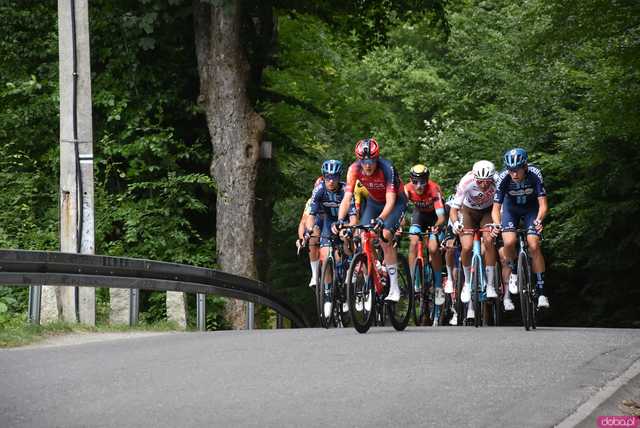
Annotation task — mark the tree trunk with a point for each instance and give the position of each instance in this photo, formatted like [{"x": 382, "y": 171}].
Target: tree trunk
[{"x": 236, "y": 132}]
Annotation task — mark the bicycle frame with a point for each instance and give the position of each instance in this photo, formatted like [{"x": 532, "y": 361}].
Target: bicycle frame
[
  {"x": 367, "y": 238},
  {"x": 476, "y": 254}
]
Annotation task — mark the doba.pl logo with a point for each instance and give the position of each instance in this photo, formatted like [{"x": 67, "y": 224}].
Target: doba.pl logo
[{"x": 619, "y": 421}]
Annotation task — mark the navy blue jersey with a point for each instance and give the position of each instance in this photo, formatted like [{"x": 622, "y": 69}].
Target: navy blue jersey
[
  {"x": 523, "y": 193},
  {"x": 324, "y": 201}
]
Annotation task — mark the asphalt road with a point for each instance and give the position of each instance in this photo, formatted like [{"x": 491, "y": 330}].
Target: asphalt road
[{"x": 310, "y": 377}]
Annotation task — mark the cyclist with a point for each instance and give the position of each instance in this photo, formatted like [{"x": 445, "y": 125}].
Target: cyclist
[
  {"x": 474, "y": 199},
  {"x": 385, "y": 204},
  {"x": 521, "y": 189},
  {"x": 325, "y": 201},
  {"x": 426, "y": 197},
  {"x": 310, "y": 238}
]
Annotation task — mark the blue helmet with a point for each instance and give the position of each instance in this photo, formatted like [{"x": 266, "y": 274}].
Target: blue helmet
[
  {"x": 515, "y": 158},
  {"x": 331, "y": 167}
]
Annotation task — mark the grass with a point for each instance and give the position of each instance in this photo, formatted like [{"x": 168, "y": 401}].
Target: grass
[{"x": 18, "y": 332}]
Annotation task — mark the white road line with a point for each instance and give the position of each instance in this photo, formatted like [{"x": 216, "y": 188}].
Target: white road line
[{"x": 600, "y": 397}]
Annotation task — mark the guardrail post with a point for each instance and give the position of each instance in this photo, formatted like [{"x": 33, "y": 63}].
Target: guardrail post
[
  {"x": 134, "y": 306},
  {"x": 35, "y": 296},
  {"x": 250, "y": 315},
  {"x": 201, "y": 311}
]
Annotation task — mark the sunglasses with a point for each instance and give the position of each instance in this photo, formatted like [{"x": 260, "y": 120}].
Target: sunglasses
[
  {"x": 332, "y": 177},
  {"x": 368, "y": 161},
  {"x": 485, "y": 181},
  {"x": 419, "y": 182}
]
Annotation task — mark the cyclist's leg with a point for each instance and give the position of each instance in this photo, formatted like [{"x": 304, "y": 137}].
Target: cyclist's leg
[
  {"x": 537, "y": 259},
  {"x": 489, "y": 255},
  {"x": 429, "y": 219},
  {"x": 391, "y": 224},
  {"x": 314, "y": 250},
  {"x": 450, "y": 262},
  {"x": 510, "y": 221},
  {"x": 413, "y": 239},
  {"x": 466, "y": 244}
]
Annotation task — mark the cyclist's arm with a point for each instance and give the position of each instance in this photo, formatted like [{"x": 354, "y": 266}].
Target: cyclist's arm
[
  {"x": 311, "y": 221},
  {"x": 302, "y": 225},
  {"x": 496, "y": 213},
  {"x": 453, "y": 214},
  {"x": 440, "y": 220},
  {"x": 389, "y": 205},
  {"x": 542, "y": 208},
  {"x": 344, "y": 205}
]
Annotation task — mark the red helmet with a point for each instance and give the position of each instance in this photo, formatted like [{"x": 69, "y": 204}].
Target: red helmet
[{"x": 367, "y": 149}]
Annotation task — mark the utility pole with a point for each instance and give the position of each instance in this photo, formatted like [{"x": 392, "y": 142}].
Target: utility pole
[{"x": 76, "y": 155}]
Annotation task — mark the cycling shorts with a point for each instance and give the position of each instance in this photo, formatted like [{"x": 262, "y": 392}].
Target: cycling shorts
[
  {"x": 513, "y": 214},
  {"x": 373, "y": 209},
  {"x": 474, "y": 218}
]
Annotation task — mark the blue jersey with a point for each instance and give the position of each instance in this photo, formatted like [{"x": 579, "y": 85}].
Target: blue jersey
[
  {"x": 523, "y": 193},
  {"x": 325, "y": 201}
]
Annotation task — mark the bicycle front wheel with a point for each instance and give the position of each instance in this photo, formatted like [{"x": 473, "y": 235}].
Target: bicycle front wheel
[
  {"x": 400, "y": 312},
  {"x": 476, "y": 271},
  {"x": 523, "y": 290},
  {"x": 360, "y": 293},
  {"x": 418, "y": 293},
  {"x": 326, "y": 293}
]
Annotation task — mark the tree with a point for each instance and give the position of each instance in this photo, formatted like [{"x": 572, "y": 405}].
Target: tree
[{"x": 236, "y": 133}]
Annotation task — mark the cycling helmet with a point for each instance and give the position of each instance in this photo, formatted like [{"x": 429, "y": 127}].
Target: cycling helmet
[
  {"x": 515, "y": 158},
  {"x": 483, "y": 170},
  {"x": 367, "y": 149},
  {"x": 419, "y": 171},
  {"x": 332, "y": 167}
]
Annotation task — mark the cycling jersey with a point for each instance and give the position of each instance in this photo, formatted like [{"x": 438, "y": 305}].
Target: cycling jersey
[
  {"x": 522, "y": 193},
  {"x": 385, "y": 179},
  {"x": 469, "y": 193},
  {"x": 429, "y": 201},
  {"x": 325, "y": 201},
  {"x": 360, "y": 194}
]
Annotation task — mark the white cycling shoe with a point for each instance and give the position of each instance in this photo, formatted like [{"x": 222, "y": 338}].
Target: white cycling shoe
[
  {"x": 465, "y": 295},
  {"x": 543, "y": 302},
  {"x": 454, "y": 319},
  {"x": 513, "y": 284},
  {"x": 470, "y": 312},
  {"x": 394, "y": 294},
  {"x": 491, "y": 292},
  {"x": 439, "y": 296},
  {"x": 345, "y": 307},
  {"x": 508, "y": 305},
  {"x": 312, "y": 282},
  {"x": 448, "y": 286},
  {"x": 327, "y": 309}
]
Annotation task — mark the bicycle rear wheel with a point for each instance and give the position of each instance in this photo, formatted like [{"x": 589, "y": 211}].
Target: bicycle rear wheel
[
  {"x": 523, "y": 290},
  {"x": 418, "y": 293},
  {"x": 360, "y": 293},
  {"x": 531, "y": 297},
  {"x": 400, "y": 312}
]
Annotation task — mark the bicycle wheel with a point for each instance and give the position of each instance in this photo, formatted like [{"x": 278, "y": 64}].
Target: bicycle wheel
[
  {"x": 531, "y": 296},
  {"x": 360, "y": 293},
  {"x": 523, "y": 290},
  {"x": 460, "y": 309},
  {"x": 400, "y": 312},
  {"x": 418, "y": 293},
  {"x": 326, "y": 293},
  {"x": 476, "y": 271}
]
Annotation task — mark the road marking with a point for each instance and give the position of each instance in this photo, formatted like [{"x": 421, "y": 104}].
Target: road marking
[{"x": 607, "y": 391}]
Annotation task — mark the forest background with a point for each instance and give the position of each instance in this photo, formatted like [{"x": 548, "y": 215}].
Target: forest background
[{"x": 439, "y": 83}]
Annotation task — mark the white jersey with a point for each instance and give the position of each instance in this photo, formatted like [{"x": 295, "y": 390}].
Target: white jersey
[{"x": 469, "y": 194}]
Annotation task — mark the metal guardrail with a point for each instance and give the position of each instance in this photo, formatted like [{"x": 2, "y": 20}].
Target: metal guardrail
[{"x": 22, "y": 267}]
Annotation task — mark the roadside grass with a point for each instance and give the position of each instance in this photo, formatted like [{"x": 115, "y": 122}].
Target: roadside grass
[{"x": 19, "y": 332}]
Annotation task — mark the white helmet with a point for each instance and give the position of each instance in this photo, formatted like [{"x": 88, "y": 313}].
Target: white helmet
[{"x": 483, "y": 170}]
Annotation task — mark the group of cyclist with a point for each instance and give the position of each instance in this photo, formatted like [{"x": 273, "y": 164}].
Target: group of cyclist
[{"x": 374, "y": 194}]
